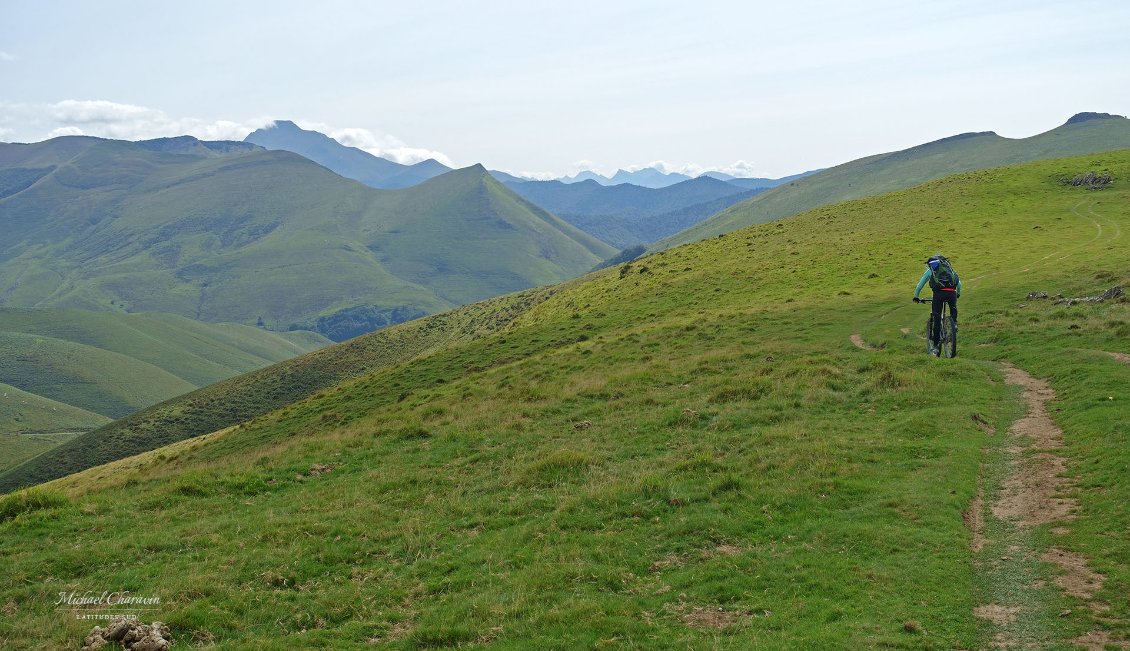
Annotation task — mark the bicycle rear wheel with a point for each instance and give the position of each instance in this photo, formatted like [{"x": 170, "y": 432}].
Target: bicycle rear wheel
[{"x": 949, "y": 334}]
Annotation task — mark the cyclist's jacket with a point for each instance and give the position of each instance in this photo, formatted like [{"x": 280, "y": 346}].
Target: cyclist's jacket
[{"x": 926, "y": 278}]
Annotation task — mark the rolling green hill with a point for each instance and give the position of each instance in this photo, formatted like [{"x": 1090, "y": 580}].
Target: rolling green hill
[
  {"x": 198, "y": 353},
  {"x": 27, "y": 413},
  {"x": 73, "y": 370},
  {"x": 687, "y": 451},
  {"x": 1083, "y": 133},
  {"x": 264, "y": 236}
]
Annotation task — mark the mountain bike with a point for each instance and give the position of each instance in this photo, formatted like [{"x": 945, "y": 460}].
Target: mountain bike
[{"x": 947, "y": 347}]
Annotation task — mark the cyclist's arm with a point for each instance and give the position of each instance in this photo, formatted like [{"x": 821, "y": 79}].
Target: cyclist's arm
[
  {"x": 959, "y": 286},
  {"x": 922, "y": 283}
]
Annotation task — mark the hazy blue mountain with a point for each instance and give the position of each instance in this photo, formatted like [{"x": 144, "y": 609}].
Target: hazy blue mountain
[
  {"x": 628, "y": 214},
  {"x": 586, "y": 175},
  {"x": 350, "y": 162},
  {"x": 649, "y": 178}
]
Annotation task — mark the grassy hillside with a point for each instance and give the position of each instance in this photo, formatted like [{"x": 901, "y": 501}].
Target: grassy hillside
[
  {"x": 72, "y": 370},
  {"x": 198, "y": 353},
  {"x": 15, "y": 448},
  {"x": 251, "y": 395},
  {"x": 90, "y": 378},
  {"x": 870, "y": 176},
  {"x": 266, "y": 235},
  {"x": 685, "y": 452},
  {"x": 27, "y": 413}
]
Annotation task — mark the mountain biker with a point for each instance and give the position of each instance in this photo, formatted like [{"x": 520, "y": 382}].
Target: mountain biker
[{"x": 947, "y": 289}]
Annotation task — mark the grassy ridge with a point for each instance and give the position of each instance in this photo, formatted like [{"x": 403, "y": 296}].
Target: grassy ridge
[
  {"x": 902, "y": 169},
  {"x": 682, "y": 452}
]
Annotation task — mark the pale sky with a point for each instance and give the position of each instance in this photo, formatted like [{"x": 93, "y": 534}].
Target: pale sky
[{"x": 760, "y": 88}]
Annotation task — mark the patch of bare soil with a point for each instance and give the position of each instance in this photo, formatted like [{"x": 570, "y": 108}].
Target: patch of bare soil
[
  {"x": 1077, "y": 579},
  {"x": 997, "y": 614},
  {"x": 975, "y": 522},
  {"x": 859, "y": 343},
  {"x": 1030, "y": 495},
  {"x": 701, "y": 617},
  {"x": 1100, "y": 641},
  {"x": 1122, "y": 357}
]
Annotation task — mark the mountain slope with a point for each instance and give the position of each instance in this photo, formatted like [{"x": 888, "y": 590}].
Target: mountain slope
[
  {"x": 350, "y": 162},
  {"x": 268, "y": 236},
  {"x": 685, "y": 452},
  {"x": 1084, "y": 133}
]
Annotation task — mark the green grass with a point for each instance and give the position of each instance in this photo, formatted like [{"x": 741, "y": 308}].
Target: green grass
[
  {"x": 74, "y": 370},
  {"x": 902, "y": 169},
  {"x": 27, "y": 413},
  {"x": 15, "y": 448},
  {"x": 265, "y": 235},
  {"x": 688, "y": 440},
  {"x": 247, "y": 396}
]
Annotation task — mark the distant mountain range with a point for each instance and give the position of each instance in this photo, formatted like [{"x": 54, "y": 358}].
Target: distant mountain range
[
  {"x": 234, "y": 232},
  {"x": 381, "y": 173},
  {"x": 627, "y": 214},
  {"x": 1082, "y": 134},
  {"x": 649, "y": 177},
  {"x": 627, "y": 209}
]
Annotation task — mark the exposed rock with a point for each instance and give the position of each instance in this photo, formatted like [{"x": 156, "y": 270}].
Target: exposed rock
[
  {"x": 1090, "y": 180},
  {"x": 1112, "y": 293},
  {"x": 1034, "y": 295},
  {"x": 131, "y": 634}
]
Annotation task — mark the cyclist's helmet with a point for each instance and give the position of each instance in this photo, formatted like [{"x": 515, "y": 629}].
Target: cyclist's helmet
[{"x": 933, "y": 262}]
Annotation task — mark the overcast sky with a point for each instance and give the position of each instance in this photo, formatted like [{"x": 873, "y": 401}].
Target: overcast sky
[{"x": 763, "y": 88}]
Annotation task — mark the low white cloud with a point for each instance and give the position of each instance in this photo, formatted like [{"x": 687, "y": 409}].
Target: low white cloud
[
  {"x": 106, "y": 119},
  {"x": 121, "y": 121},
  {"x": 66, "y": 131},
  {"x": 740, "y": 168},
  {"x": 380, "y": 144},
  {"x": 4, "y": 56},
  {"x": 533, "y": 176}
]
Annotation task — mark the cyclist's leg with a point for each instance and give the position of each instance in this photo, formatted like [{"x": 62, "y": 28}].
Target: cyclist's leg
[
  {"x": 936, "y": 317},
  {"x": 953, "y": 307}
]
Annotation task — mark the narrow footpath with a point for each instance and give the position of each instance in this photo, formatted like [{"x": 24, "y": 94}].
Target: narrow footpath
[{"x": 1023, "y": 486}]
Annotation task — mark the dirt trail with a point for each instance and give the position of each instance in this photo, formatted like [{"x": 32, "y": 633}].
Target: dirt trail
[
  {"x": 1030, "y": 494},
  {"x": 1122, "y": 357},
  {"x": 857, "y": 339}
]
